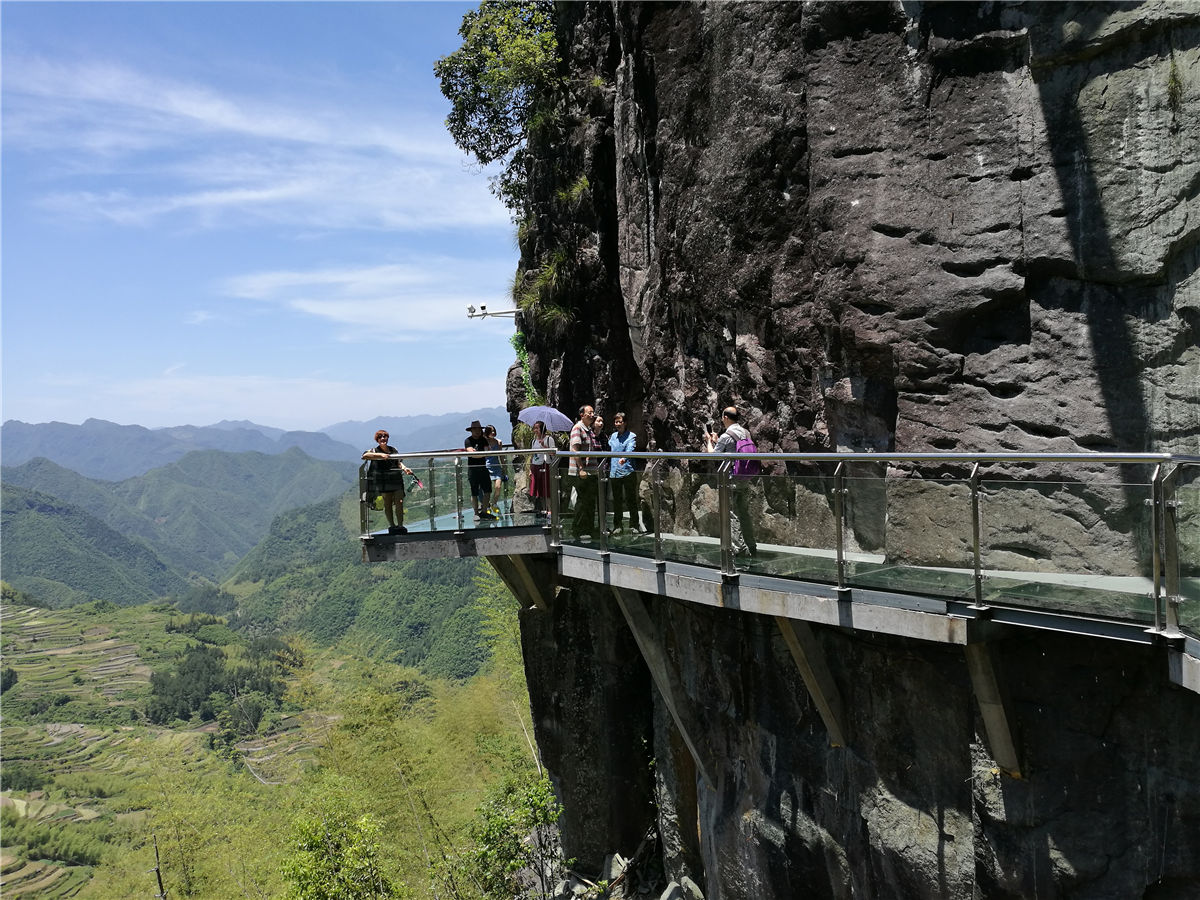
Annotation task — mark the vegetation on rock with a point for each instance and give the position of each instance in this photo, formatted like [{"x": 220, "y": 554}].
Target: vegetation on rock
[{"x": 500, "y": 84}]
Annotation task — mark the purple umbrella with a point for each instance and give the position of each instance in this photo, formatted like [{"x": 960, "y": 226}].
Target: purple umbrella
[{"x": 555, "y": 421}]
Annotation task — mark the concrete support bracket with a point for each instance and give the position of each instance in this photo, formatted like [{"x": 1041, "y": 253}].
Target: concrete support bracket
[
  {"x": 668, "y": 685},
  {"x": 993, "y": 708},
  {"x": 1184, "y": 669},
  {"x": 531, "y": 591},
  {"x": 810, "y": 660}
]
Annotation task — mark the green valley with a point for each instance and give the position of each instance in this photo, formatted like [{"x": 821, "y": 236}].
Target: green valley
[
  {"x": 200, "y": 514},
  {"x": 197, "y": 658},
  {"x": 98, "y": 767}
]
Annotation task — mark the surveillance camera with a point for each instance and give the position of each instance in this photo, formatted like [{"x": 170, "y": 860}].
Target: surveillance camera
[
  {"x": 470, "y": 310},
  {"x": 482, "y": 308}
]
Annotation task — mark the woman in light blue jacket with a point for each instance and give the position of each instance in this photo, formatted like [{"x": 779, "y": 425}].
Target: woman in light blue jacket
[{"x": 622, "y": 474}]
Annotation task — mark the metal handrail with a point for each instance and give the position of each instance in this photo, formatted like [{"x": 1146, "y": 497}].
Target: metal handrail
[
  {"x": 1165, "y": 542},
  {"x": 847, "y": 456}
]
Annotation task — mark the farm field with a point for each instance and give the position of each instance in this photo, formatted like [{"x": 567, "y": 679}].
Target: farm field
[
  {"x": 83, "y": 771},
  {"x": 101, "y": 766}
]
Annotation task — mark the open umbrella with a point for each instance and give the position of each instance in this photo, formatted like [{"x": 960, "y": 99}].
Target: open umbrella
[{"x": 555, "y": 421}]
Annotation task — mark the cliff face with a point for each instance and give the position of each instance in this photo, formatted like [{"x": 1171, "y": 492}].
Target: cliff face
[
  {"x": 912, "y": 807},
  {"x": 873, "y": 226},
  {"x": 879, "y": 226}
]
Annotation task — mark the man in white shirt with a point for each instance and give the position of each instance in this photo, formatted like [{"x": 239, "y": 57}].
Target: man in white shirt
[{"x": 581, "y": 476}]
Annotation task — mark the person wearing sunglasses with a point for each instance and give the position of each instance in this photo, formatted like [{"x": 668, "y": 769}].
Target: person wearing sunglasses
[{"x": 385, "y": 479}]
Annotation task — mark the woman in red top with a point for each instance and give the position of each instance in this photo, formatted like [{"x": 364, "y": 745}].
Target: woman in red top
[{"x": 539, "y": 468}]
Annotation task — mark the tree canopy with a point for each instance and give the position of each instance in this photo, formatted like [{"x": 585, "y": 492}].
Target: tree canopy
[
  {"x": 336, "y": 857},
  {"x": 495, "y": 83}
]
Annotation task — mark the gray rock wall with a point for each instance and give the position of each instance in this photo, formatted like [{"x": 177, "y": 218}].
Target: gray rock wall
[
  {"x": 913, "y": 807},
  {"x": 875, "y": 226}
]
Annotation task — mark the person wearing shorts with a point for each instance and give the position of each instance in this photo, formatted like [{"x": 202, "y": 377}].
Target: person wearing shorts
[
  {"x": 477, "y": 473},
  {"x": 495, "y": 467}
]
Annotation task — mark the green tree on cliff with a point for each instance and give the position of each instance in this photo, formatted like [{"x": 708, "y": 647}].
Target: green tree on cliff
[
  {"x": 335, "y": 857},
  {"x": 498, "y": 82}
]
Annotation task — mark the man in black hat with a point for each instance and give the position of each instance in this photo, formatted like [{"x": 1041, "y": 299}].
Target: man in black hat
[{"x": 477, "y": 473}]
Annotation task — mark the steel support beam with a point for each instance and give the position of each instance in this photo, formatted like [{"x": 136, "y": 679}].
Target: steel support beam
[
  {"x": 810, "y": 660},
  {"x": 644, "y": 632}
]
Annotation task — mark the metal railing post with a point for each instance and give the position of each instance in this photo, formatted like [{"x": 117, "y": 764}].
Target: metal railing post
[
  {"x": 364, "y": 515},
  {"x": 656, "y": 506},
  {"x": 555, "y": 502},
  {"x": 1156, "y": 554},
  {"x": 975, "y": 531},
  {"x": 432, "y": 497},
  {"x": 602, "y": 503},
  {"x": 1170, "y": 533},
  {"x": 723, "y": 508},
  {"x": 458, "y": 491},
  {"x": 839, "y": 516}
]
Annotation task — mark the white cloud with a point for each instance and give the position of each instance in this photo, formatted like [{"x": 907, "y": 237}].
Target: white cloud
[
  {"x": 159, "y": 149},
  {"x": 402, "y": 301}
]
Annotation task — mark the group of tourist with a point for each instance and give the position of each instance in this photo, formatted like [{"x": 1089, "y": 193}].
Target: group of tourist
[
  {"x": 488, "y": 479},
  {"x": 587, "y": 436},
  {"x": 485, "y": 471}
]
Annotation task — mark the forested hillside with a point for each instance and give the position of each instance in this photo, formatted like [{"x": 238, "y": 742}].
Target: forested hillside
[
  {"x": 136, "y": 729},
  {"x": 307, "y": 576},
  {"x": 201, "y": 514},
  {"x": 292, "y": 564},
  {"x": 64, "y": 555}
]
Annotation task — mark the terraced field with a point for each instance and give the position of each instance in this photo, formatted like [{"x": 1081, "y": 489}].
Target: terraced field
[
  {"x": 63, "y": 652},
  {"x": 80, "y": 760},
  {"x": 76, "y": 750},
  {"x": 286, "y": 753},
  {"x": 21, "y": 879}
]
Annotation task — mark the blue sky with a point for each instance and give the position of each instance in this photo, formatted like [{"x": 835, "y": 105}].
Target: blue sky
[{"x": 242, "y": 211}]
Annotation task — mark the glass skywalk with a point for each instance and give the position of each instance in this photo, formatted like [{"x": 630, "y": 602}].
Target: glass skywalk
[{"x": 1106, "y": 536}]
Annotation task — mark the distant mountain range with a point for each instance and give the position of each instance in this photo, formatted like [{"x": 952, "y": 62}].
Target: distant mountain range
[
  {"x": 68, "y": 537},
  {"x": 278, "y": 531},
  {"x": 62, "y": 555},
  {"x": 105, "y": 450}
]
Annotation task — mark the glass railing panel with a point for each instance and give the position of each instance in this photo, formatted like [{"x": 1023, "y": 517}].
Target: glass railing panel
[
  {"x": 515, "y": 505},
  {"x": 375, "y": 490},
  {"x": 793, "y": 523},
  {"x": 629, "y": 514},
  {"x": 578, "y": 505},
  {"x": 434, "y": 498},
  {"x": 433, "y": 505},
  {"x": 910, "y": 535},
  {"x": 789, "y": 520},
  {"x": 1078, "y": 548},
  {"x": 1187, "y": 530},
  {"x": 688, "y": 517}
]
